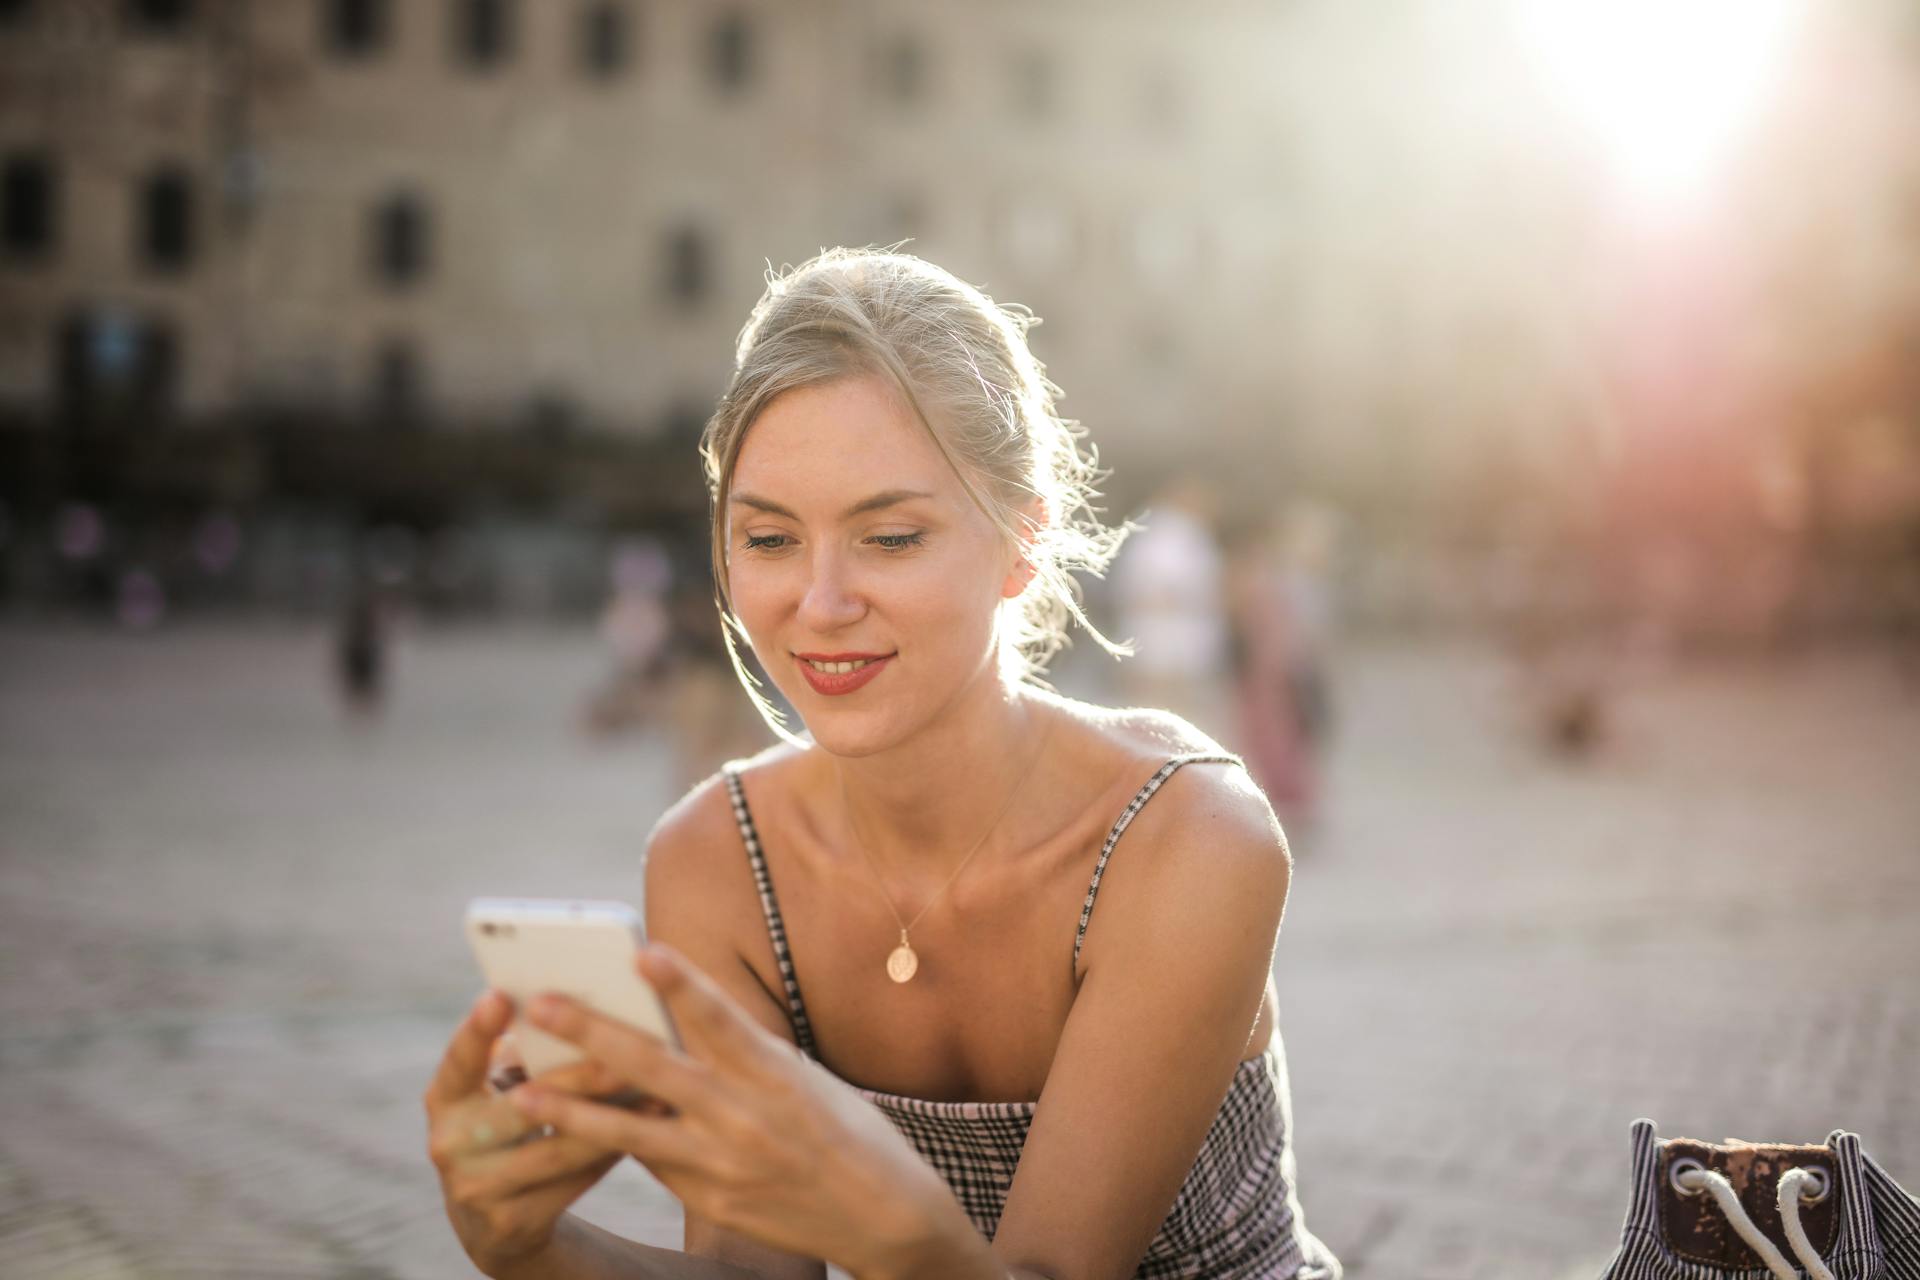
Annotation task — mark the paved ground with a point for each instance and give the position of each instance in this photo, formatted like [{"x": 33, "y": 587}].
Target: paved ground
[{"x": 228, "y": 928}]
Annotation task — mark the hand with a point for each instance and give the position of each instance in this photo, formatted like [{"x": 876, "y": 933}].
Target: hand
[
  {"x": 758, "y": 1140},
  {"x": 505, "y": 1182}
]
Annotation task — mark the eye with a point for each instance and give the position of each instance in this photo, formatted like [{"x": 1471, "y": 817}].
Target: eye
[
  {"x": 897, "y": 541},
  {"x": 766, "y": 541}
]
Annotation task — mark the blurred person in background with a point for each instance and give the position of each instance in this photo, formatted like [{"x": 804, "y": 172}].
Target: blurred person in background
[
  {"x": 636, "y": 627},
  {"x": 710, "y": 722},
  {"x": 1282, "y": 621},
  {"x": 1308, "y": 537},
  {"x": 360, "y": 652},
  {"x": 1170, "y": 595},
  {"x": 898, "y": 510}
]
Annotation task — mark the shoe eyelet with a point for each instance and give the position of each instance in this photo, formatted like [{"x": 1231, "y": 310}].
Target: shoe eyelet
[
  {"x": 1679, "y": 1168},
  {"x": 1817, "y": 1185}
]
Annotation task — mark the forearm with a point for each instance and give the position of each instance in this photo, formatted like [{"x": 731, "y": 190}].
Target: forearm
[
  {"x": 581, "y": 1251},
  {"x": 944, "y": 1247}
]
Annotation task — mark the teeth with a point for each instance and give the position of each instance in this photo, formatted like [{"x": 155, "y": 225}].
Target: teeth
[{"x": 839, "y": 668}]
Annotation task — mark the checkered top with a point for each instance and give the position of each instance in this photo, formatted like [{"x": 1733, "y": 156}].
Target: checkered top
[{"x": 1236, "y": 1217}]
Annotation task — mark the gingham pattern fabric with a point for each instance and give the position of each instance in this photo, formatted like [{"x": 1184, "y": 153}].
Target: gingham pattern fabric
[
  {"x": 796, "y": 1009},
  {"x": 1878, "y": 1236},
  {"x": 1139, "y": 802},
  {"x": 1236, "y": 1216}
]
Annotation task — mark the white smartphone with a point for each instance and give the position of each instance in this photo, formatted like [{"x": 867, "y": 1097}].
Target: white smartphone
[{"x": 582, "y": 948}]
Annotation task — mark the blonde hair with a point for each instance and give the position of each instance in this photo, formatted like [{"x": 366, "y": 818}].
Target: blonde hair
[{"x": 960, "y": 362}]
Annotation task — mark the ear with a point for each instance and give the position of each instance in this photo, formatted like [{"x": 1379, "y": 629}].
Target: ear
[{"x": 1032, "y": 518}]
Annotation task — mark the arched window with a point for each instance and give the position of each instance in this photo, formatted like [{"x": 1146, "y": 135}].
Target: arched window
[
  {"x": 157, "y": 17},
  {"x": 731, "y": 47},
  {"x": 1035, "y": 81},
  {"x": 166, "y": 221},
  {"x": 483, "y": 31},
  {"x": 399, "y": 381},
  {"x": 402, "y": 252},
  {"x": 901, "y": 69},
  {"x": 28, "y": 203},
  {"x": 356, "y": 28},
  {"x": 605, "y": 34},
  {"x": 687, "y": 265}
]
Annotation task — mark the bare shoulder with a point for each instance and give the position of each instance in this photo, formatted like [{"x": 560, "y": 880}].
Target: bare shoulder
[
  {"x": 701, "y": 899},
  {"x": 1211, "y": 820},
  {"x": 1207, "y": 843},
  {"x": 696, "y": 864},
  {"x": 1155, "y": 732}
]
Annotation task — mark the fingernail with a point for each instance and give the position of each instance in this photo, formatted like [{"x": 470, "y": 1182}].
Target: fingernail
[{"x": 528, "y": 1099}]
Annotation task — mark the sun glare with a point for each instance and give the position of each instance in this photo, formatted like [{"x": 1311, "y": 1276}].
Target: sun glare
[{"x": 1664, "y": 86}]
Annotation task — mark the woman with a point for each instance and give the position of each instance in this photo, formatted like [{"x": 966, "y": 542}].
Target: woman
[{"x": 1072, "y": 1092}]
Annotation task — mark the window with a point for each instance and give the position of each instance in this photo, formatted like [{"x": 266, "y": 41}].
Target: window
[
  {"x": 157, "y": 17},
  {"x": 115, "y": 366},
  {"x": 1036, "y": 87},
  {"x": 1163, "y": 101},
  {"x": 28, "y": 195},
  {"x": 355, "y": 28},
  {"x": 604, "y": 39},
  {"x": 902, "y": 69},
  {"x": 483, "y": 31},
  {"x": 687, "y": 268},
  {"x": 398, "y": 380},
  {"x": 731, "y": 47},
  {"x": 401, "y": 235},
  {"x": 166, "y": 221}
]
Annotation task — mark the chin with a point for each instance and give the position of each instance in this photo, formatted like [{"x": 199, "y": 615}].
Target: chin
[{"x": 853, "y": 733}]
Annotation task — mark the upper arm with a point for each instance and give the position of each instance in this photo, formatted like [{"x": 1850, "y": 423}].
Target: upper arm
[
  {"x": 1178, "y": 956},
  {"x": 701, "y": 900}
]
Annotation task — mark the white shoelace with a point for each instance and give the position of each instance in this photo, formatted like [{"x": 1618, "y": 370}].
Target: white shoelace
[{"x": 1791, "y": 1184}]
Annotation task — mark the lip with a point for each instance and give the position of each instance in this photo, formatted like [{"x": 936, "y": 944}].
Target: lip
[{"x": 834, "y": 685}]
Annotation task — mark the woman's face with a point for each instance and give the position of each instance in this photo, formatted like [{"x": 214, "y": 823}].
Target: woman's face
[{"x": 866, "y": 579}]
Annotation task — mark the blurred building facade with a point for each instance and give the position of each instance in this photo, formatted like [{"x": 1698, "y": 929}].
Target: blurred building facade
[
  {"x": 482, "y": 211},
  {"x": 1298, "y": 248}
]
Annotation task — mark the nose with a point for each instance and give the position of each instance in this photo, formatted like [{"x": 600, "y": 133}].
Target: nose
[{"x": 831, "y": 601}]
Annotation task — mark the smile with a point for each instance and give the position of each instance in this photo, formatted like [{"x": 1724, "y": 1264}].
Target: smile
[
  {"x": 841, "y": 668},
  {"x": 834, "y": 674}
]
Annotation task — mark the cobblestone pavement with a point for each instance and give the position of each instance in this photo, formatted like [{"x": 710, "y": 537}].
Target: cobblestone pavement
[{"x": 228, "y": 925}]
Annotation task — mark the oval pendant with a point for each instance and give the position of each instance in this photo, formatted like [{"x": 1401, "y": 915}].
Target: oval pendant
[{"x": 902, "y": 964}]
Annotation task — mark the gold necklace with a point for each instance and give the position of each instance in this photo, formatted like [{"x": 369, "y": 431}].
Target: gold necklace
[{"x": 902, "y": 963}]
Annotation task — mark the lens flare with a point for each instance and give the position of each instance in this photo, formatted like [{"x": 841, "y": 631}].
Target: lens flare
[{"x": 1665, "y": 87}]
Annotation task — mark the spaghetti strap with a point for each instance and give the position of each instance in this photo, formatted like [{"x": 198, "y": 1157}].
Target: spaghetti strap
[
  {"x": 1139, "y": 801},
  {"x": 776, "y": 928}
]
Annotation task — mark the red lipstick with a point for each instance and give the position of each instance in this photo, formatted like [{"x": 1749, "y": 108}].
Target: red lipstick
[{"x": 834, "y": 683}]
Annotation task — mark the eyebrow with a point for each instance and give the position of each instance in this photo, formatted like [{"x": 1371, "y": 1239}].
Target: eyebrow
[{"x": 883, "y": 499}]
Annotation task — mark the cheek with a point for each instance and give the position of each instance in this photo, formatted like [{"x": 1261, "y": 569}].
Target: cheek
[{"x": 757, "y": 597}]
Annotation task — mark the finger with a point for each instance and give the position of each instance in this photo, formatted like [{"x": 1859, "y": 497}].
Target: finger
[
  {"x": 505, "y": 1078},
  {"x": 474, "y": 1127},
  {"x": 548, "y": 1200},
  {"x": 653, "y": 1140},
  {"x": 464, "y": 1066},
  {"x": 700, "y": 1009},
  {"x": 590, "y": 1078},
  {"x": 506, "y": 1053},
  {"x": 529, "y": 1164},
  {"x": 635, "y": 1059}
]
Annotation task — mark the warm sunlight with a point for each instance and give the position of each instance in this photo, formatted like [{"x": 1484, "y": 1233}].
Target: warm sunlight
[{"x": 1663, "y": 86}]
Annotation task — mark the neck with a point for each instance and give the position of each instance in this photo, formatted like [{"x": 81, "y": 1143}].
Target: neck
[{"x": 922, "y": 806}]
